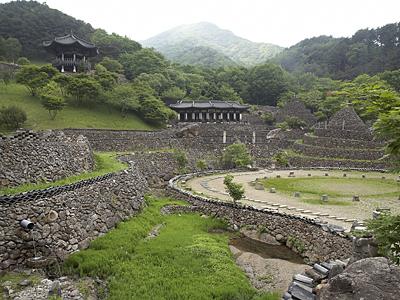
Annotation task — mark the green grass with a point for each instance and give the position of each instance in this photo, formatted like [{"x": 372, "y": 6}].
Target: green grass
[
  {"x": 185, "y": 261},
  {"x": 106, "y": 162},
  {"x": 99, "y": 116},
  {"x": 339, "y": 190}
]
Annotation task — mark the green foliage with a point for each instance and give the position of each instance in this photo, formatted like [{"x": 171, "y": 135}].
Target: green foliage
[
  {"x": 386, "y": 230},
  {"x": 35, "y": 77},
  {"x": 154, "y": 111},
  {"x": 23, "y": 61},
  {"x": 295, "y": 122},
  {"x": 124, "y": 98},
  {"x": 106, "y": 79},
  {"x": 173, "y": 94},
  {"x": 52, "y": 99},
  {"x": 295, "y": 244},
  {"x": 281, "y": 158},
  {"x": 113, "y": 45},
  {"x": 84, "y": 88},
  {"x": 392, "y": 77},
  {"x": 283, "y": 125},
  {"x": 388, "y": 126},
  {"x": 236, "y": 155},
  {"x": 235, "y": 190},
  {"x": 201, "y": 164},
  {"x": 12, "y": 117},
  {"x": 268, "y": 118},
  {"x": 10, "y": 48},
  {"x": 367, "y": 51},
  {"x": 112, "y": 65},
  {"x": 106, "y": 162},
  {"x": 142, "y": 61},
  {"x": 266, "y": 83},
  {"x": 181, "y": 158}
]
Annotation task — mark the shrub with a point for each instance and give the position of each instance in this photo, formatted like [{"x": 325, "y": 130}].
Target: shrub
[
  {"x": 23, "y": 61},
  {"x": 282, "y": 158},
  {"x": 268, "y": 118},
  {"x": 181, "y": 158},
  {"x": 386, "y": 230},
  {"x": 295, "y": 122},
  {"x": 236, "y": 155},
  {"x": 283, "y": 125},
  {"x": 201, "y": 164},
  {"x": 52, "y": 99},
  {"x": 12, "y": 117}
]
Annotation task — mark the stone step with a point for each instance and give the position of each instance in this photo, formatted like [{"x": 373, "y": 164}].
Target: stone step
[
  {"x": 303, "y": 279},
  {"x": 299, "y": 293},
  {"x": 304, "y": 286},
  {"x": 321, "y": 269}
]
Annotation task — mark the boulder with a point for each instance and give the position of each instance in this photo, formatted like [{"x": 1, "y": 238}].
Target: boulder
[{"x": 369, "y": 278}]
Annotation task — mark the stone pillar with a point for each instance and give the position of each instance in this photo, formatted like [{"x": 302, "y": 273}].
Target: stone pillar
[
  {"x": 240, "y": 117},
  {"x": 224, "y": 137},
  {"x": 254, "y": 137},
  {"x": 62, "y": 56},
  {"x": 234, "y": 116},
  {"x": 200, "y": 116},
  {"x": 193, "y": 116},
  {"x": 84, "y": 58},
  {"x": 74, "y": 57},
  {"x": 228, "y": 116},
  {"x": 221, "y": 116},
  {"x": 62, "y": 68},
  {"x": 215, "y": 116},
  {"x": 74, "y": 70},
  {"x": 179, "y": 116},
  {"x": 207, "y": 116},
  {"x": 186, "y": 116},
  {"x": 343, "y": 124}
]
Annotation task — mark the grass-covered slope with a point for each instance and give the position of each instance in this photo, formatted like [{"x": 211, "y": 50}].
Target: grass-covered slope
[
  {"x": 185, "y": 261},
  {"x": 98, "y": 116}
]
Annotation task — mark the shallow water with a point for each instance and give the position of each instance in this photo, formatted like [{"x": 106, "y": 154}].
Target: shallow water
[{"x": 266, "y": 250}]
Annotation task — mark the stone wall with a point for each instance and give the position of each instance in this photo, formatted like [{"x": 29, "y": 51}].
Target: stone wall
[
  {"x": 68, "y": 221},
  {"x": 344, "y": 143},
  {"x": 333, "y": 152},
  {"x": 314, "y": 241},
  {"x": 29, "y": 157},
  {"x": 343, "y": 134},
  {"x": 295, "y": 108}
]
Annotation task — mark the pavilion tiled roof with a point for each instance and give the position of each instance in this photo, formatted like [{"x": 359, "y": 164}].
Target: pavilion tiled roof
[
  {"x": 69, "y": 39},
  {"x": 207, "y": 104}
]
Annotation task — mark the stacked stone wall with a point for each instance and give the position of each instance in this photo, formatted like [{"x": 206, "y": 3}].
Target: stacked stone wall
[
  {"x": 66, "y": 221},
  {"x": 343, "y": 153},
  {"x": 344, "y": 143},
  {"x": 343, "y": 134},
  {"x": 30, "y": 157},
  {"x": 296, "y": 109}
]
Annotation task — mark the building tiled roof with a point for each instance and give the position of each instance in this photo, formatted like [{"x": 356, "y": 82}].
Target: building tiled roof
[{"x": 184, "y": 104}]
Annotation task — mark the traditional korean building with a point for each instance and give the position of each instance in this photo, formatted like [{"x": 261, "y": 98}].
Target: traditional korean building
[
  {"x": 71, "y": 53},
  {"x": 209, "y": 111}
]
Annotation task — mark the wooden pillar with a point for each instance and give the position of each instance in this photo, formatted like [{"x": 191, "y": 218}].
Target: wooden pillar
[
  {"x": 234, "y": 116},
  {"x": 193, "y": 116},
  {"x": 207, "y": 116},
  {"x": 186, "y": 116},
  {"x": 240, "y": 116},
  {"x": 179, "y": 116},
  {"x": 215, "y": 116}
]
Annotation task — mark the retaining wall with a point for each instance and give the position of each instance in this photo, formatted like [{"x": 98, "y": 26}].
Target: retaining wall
[
  {"x": 66, "y": 221},
  {"x": 343, "y": 143},
  {"x": 29, "y": 157}
]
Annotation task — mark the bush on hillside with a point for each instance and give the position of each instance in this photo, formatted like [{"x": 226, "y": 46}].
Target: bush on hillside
[
  {"x": 12, "y": 117},
  {"x": 236, "y": 156},
  {"x": 23, "y": 61}
]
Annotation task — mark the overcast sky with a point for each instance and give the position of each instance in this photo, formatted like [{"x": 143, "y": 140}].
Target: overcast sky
[{"x": 282, "y": 22}]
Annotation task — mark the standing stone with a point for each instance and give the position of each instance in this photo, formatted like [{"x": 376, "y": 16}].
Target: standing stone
[
  {"x": 297, "y": 194},
  {"x": 272, "y": 190},
  {"x": 324, "y": 198},
  {"x": 356, "y": 198}
]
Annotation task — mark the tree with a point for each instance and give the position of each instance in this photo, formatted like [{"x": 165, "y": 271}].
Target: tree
[
  {"x": 236, "y": 155},
  {"x": 201, "y": 164},
  {"x": 295, "y": 122},
  {"x": 266, "y": 83},
  {"x": 32, "y": 77},
  {"x": 52, "y": 99},
  {"x": 23, "y": 61},
  {"x": 142, "y": 61},
  {"x": 386, "y": 230},
  {"x": 235, "y": 190},
  {"x": 226, "y": 93},
  {"x": 112, "y": 65},
  {"x": 268, "y": 118},
  {"x": 84, "y": 89},
  {"x": 388, "y": 127},
  {"x": 11, "y": 48},
  {"x": 105, "y": 78},
  {"x": 125, "y": 98},
  {"x": 154, "y": 111},
  {"x": 173, "y": 94},
  {"x": 12, "y": 117},
  {"x": 181, "y": 159}
]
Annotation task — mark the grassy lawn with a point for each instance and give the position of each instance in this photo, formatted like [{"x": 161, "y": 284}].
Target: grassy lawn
[
  {"x": 106, "y": 162},
  {"x": 99, "y": 116},
  {"x": 339, "y": 190},
  {"x": 185, "y": 261}
]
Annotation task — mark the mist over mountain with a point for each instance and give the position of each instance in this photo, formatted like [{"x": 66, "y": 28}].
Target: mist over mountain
[{"x": 204, "y": 38}]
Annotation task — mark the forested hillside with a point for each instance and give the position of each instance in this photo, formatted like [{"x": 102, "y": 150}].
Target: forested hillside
[
  {"x": 182, "y": 39},
  {"x": 368, "y": 51},
  {"x": 32, "y": 23}
]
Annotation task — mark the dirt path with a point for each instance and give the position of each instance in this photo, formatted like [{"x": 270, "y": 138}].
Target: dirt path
[{"x": 341, "y": 215}]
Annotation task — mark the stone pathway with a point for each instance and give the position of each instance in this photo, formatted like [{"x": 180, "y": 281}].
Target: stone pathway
[{"x": 213, "y": 186}]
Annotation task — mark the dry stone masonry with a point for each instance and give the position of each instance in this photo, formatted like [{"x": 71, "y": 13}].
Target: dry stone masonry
[{"x": 30, "y": 157}]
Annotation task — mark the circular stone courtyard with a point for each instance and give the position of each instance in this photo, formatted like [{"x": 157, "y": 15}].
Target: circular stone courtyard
[{"x": 338, "y": 197}]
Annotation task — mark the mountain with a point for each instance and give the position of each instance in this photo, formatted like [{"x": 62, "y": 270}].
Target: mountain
[
  {"x": 178, "y": 44},
  {"x": 32, "y": 23},
  {"x": 368, "y": 51}
]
